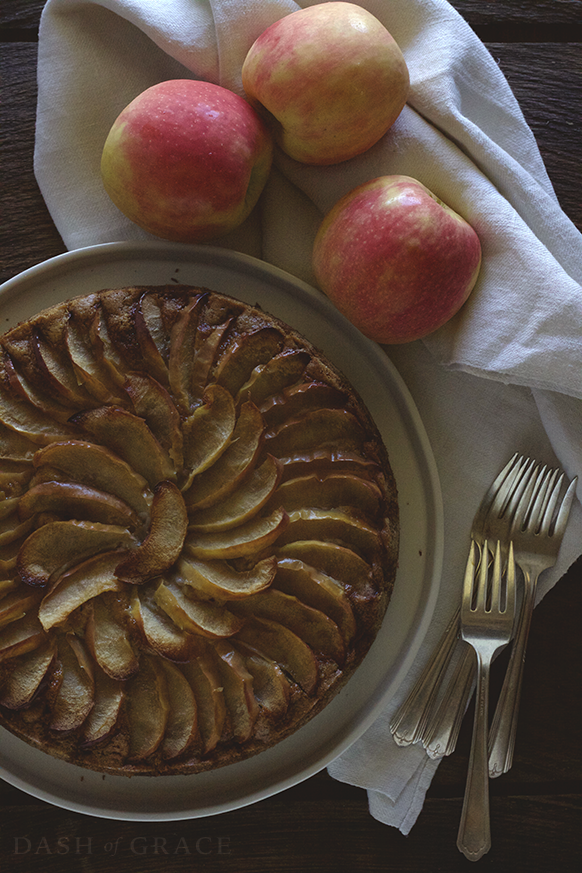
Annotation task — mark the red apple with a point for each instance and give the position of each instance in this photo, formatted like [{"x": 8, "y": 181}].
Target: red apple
[
  {"x": 331, "y": 79},
  {"x": 396, "y": 260},
  {"x": 187, "y": 160}
]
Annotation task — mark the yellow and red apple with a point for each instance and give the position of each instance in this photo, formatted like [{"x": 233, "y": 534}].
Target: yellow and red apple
[
  {"x": 187, "y": 160},
  {"x": 330, "y": 78},
  {"x": 395, "y": 259}
]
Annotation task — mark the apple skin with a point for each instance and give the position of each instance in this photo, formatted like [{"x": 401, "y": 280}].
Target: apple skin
[
  {"x": 396, "y": 260},
  {"x": 330, "y": 78},
  {"x": 187, "y": 160}
]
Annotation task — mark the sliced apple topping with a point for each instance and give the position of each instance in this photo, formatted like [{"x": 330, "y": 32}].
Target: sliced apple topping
[
  {"x": 8, "y": 506},
  {"x": 196, "y": 616},
  {"x": 129, "y": 437},
  {"x": 151, "y": 337},
  {"x": 147, "y": 708},
  {"x": 204, "y": 679},
  {"x": 107, "y": 635},
  {"x": 55, "y": 547},
  {"x": 9, "y": 533},
  {"x": 16, "y": 604},
  {"x": 243, "y": 504},
  {"x": 270, "y": 685},
  {"x": 335, "y": 560},
  {"x": 298, "y": 399},
  {"x": 205, "y": 355},
  {"x": 159, "y": 632},
  {"x": 163, "y": 544},
  {"x": 223, "y": 477},
  {"x": 15, "y": 446},
  {"x": 27, "y": 674},
  {"x": 76, "y": 693},
  {"x": 103, "y": 718},
  {"x": 320, "y": 428},
  {"x": 15, "y": 477},
  {"x": 181, "y": 361},
  {"x": 332, "y": 525},
  {"x": 219, "y": 581},
  {"x": 248, "y": 539},
  {"x": 31, "y": 423},
  {"x": 73, "y": 500},
  {"x": 239, "y": 698},
  {"x": 182, "y": 724},
  {"x": 100, "y": 468},
  {"x": 274, "y": 376},
  {"x": 276, "y": 642},
  {"x": 208, "y": 431},
  {"x": 323, "y": 461},
  {"x": 105, "y": 353},
  {"x": 330, "y": 491},
  {"x": 89, "y": 579},
  {"x": 21, "y": 636},
  {"x": 59, "y": 376},
  {"x": 152, "y": 402},
  {"x": 93, "y": 377},
  {"x": 318, "y": 590},
  {"x": 310, "y": 624},
  {"x": 246, "y": 352}
]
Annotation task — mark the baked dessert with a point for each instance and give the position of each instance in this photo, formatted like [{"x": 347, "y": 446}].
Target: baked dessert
[{"x": 198, "y": 532}]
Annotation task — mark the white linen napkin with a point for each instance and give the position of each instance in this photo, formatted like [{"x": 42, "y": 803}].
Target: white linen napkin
[{"x": 504, "y": 375}]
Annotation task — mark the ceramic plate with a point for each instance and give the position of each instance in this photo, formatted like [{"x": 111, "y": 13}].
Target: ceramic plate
[{"x": 370, "y": 371}]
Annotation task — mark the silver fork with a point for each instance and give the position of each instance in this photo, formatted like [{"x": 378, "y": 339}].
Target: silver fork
[
  {"x": 486, "y": 624},
  {"x": 417, "y": 720},
  {"x": 537, "y": 532}
]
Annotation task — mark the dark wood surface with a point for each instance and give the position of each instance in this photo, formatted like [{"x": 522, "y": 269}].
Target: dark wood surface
[{"x": 322, "y": 825}]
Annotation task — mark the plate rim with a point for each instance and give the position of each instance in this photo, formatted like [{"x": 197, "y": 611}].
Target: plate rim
[{"x": 216, "y": 256}]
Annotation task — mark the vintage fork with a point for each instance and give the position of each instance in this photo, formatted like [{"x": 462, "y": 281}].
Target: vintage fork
[
  {"x": 486, "y": 624},
  {"x": 411, "y": 722},
  {"x": 537, "y": 532},
  {"x": 492, "y": 522}
]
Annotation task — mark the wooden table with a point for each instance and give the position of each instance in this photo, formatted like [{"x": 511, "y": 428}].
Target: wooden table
[{"x": 322, "y": 825}]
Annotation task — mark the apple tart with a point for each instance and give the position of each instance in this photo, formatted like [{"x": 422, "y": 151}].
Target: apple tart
[{"x": 198, "y": 530}]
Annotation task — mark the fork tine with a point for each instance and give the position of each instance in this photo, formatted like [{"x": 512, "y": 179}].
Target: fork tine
[
  {"x": 527, "y": 474},
  {"x": 496, "y": 593},
  {"x": 564, "y": 510},
  {"x": 469, "y": 588},
  {"x": 525, "y": 501},
  {"x": 510, "y": 477},
  {"x": 548, "y": 504}
]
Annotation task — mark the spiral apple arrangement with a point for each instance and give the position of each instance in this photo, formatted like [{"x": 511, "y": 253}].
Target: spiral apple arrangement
[{"x": 187, "y": 161}]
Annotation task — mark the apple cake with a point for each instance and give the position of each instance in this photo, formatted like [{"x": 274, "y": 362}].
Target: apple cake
[{"x": 198, "y": 535}]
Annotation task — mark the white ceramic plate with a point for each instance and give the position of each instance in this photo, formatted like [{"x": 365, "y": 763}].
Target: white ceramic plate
[{"x": 367, "y": 367}]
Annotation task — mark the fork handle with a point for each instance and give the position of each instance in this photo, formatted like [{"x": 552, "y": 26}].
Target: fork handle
[
  {"x": 409, "y": 722},
  {"x": 504, "y": 726},
  {"x": 442, "y": 730},
  {"x": 474, "y": 837}
]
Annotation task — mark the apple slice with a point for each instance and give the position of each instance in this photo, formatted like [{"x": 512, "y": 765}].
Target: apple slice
[
  {"x": 76, "y": 501},
  {"x": 93, "y": 377},
  {"x": 208, "y": 431},
  {"x": 237, "y": 683},
  {"x": 151, "y": 336},
  {"x": 196, "y": 616},
  {"x": 129, "y": 437},
  {"x": 10, "y": 531},
  {"x": 219, "y": 581},
  {"x": 106, "y": 355},
  {"x": 243, "y": 504},
  {"x": 271, "y": 378},
  {"x": 20, "y": 637},
  {"x": 39, "y": 398},
  {"x": 8, "y": 507},
  {"x": 182, "y": 725},
  {"x": 103, "y": 718},
  {"x": 205, "y": 354},
  {"x": 16, "y": 604},
  {"x": 8, "y": 585},
  {"x": 26, "y": 676},
  {"x": 89, "y": 579},
  {"x": 334, "y": 560},
  {"x": 318, "y": 590},
  {"x": 182, "y": 343},
  {"x": 58, "y": 376},
  {"x": 330, "y": 491},
  {"x": 76, "y": 694},
  {"x": 298, "y": 399},
  {"x": 270, "y": 685},
  {"x": 152, "y": 402},
  {"x": 276, "y": 642},
  {"x": 248, "y": 539},
  {"x": 322, "y": 461},
  {"x": 108, "y": 638},
  {"x": 204, "y": 679},
  {"x": 319, "y": 428},
  {"x": 14, "y": 446},
  {"x": 313, "y": 626},
  {"x": 163, "y": 544},
  {"x": 22, "y": 417},
  {"x": 100, "y": 468},
  {"x": 158, "y": 630},
  {"x": 15, "y": 477},
  {"x": 57, "y": 546},
  {"x": 244, "y": 354},
  {"x": 147, "y": 708},
  {"x": 333, "y": 525}
]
